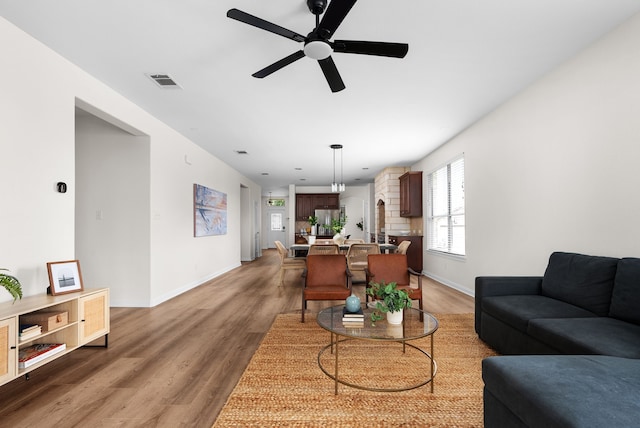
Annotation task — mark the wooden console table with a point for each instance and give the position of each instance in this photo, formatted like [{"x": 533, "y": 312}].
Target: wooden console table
[{"x": 88, "y": 320}]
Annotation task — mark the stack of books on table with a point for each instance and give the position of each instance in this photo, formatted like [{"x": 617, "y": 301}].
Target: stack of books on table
[
  {"x": 29, "y": 331},
  {"x": 35, "y": 353},
  {"x": 353, "y": 319}
]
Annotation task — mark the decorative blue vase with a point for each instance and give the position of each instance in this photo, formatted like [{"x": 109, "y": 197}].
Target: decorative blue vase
[{"x": 352, "y": 303}]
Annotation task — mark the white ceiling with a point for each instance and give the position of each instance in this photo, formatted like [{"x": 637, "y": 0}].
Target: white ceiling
[{"x": 465, "y": 58}]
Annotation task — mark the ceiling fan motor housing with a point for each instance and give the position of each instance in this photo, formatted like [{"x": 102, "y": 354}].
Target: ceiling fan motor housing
[{"x": 317, "y": 6}]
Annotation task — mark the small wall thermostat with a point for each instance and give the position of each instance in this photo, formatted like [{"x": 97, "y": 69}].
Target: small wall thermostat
[{"x": 62, "y": 187}]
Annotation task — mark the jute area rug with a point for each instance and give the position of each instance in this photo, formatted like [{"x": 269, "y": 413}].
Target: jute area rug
[{"x": 284, "y": 387}]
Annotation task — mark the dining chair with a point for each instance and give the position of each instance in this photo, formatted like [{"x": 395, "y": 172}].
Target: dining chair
[
  {"x": 402, "y": 247},
  {"x": 286, "y": 262},
  {"x": 357, "y": 260},
  {"x": 394, "y": 268},
  {"x": 323, "y": 249},
  {"x": 326, "y": 277}
]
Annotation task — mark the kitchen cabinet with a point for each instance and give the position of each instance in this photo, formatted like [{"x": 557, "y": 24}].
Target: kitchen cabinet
[
  {"x": 328, "y": 201},
  {"x": 307, "y": 203},
  {"x": 411, "y": 194},
  {"x": 304, "y": 206},
  {"x": 414, "y": 252}
]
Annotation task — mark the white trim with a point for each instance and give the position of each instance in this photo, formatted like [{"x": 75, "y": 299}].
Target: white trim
[
  {"x": 176, "y": 292},
  {"x": 450, "y": 284},
  {"x": 456, "y": 257}
]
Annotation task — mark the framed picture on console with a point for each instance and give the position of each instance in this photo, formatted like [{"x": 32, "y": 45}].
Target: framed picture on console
[{"x": 64, "y": 277}]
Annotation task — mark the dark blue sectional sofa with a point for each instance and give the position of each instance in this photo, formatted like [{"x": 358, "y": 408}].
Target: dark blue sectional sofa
[{"x": 570, "y": 342}]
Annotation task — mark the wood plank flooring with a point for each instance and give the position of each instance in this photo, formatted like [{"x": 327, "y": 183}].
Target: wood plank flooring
[{"x": 175, "y": 364}]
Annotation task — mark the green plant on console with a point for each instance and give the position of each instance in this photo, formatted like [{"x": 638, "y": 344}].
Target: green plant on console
[
  {"x": 11, "y": 284},
  {"x": 388, "y": 298},
  {"x": 313, "y": 220}
]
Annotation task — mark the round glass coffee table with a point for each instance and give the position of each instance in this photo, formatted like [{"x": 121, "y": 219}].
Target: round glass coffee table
[{"x": 411, "y": 329}]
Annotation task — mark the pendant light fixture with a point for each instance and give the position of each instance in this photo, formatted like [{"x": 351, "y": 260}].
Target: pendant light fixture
[
  {"x": 341, "y": 186},
  {"x": 335, "y": 187}
]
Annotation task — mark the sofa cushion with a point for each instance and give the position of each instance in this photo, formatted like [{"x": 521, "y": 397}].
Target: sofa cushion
[
  {"x": 517, "y": 310},
  {"x": 596, "y": 335},
  {"x": 584, "y": 281},
  {"x": 566, "y": 390},
  {"x": 626, "y": 291}
]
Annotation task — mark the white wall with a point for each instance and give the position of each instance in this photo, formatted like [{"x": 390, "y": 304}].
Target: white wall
[
  {"x": 112, "y": 210},
  {"x": 554, "y": 169},
  {"x": 356, "y": 201},
  {"x": 37, "y": 138}
]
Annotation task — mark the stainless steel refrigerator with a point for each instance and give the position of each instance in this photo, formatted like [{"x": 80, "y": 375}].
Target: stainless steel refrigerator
[{"x": 324, "y": 221}]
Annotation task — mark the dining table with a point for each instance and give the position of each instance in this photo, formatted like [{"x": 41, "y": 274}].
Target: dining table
[{"x": 384, "y": 248}]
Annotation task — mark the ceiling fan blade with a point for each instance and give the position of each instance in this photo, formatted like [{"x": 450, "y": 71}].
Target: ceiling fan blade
[
  {"x": 278, "y": 65},
  {"x": 395, "y": 50},
  {"x": 331, "y": 74},
  {"x": 241, "y": 16},
  {"x": 333, "y": 17}
]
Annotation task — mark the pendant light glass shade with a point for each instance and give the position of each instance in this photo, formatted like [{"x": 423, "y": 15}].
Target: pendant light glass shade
[{"x": 335, "y": 187}]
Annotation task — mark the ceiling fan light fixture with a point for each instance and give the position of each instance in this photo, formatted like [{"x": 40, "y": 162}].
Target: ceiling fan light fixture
[{"x": 317, "y": 49}]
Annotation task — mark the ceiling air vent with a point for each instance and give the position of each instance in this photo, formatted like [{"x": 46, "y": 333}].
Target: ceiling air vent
[{"x": 164, "y": 81}]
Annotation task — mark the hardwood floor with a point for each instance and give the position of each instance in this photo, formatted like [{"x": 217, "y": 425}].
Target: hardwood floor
[{"x": 175, "y": 364}]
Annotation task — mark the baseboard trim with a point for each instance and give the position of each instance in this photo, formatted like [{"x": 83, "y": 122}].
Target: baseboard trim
[
  {"x": 176, "y": 292},
  {"x": 450, "y": 284}
]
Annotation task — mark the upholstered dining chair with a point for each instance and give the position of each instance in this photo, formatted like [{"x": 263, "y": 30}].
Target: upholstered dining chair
[
  {"x": 357, "y": 260},
  {"x": 402, "y": 247},
  {"x": 394, "y": 268},
  {"x": 286, "y": 262},
  {"x": 323, "y": 249},
  {"x": 325, "y": 278}
]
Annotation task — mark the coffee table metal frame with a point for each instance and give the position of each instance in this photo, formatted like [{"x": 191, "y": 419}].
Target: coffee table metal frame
[{"x": 412, "y": 328}]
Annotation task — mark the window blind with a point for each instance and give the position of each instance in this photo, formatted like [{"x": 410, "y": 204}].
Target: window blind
[{"x": 446, "y": 218}]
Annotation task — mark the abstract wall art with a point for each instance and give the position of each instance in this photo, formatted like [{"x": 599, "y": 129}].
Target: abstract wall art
[{"x": 210, "y": 211}]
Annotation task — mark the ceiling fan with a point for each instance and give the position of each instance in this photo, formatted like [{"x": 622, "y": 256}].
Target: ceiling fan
[{"x": 317, "y": 44}]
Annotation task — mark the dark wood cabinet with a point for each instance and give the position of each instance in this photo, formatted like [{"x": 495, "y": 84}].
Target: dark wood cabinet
[
  {"x": 414, "y": 252},
  {"x": 304, "y": 207},
  {"x": 411, "y": 194},
  {"x": 307, "y": 203},
  {"x": 326, "y": 201},
  {"x": 333, "y": 201}
]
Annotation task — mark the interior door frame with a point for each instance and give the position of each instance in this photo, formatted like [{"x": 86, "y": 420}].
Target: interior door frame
[{"x": 270, "y": 233}]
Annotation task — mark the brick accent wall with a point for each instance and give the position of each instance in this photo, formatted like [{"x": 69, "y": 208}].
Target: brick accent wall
[{"x": 387, "y": 190}]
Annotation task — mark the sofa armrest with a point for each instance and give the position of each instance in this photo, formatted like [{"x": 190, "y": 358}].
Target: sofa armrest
[{"x": 487, "y": 286}]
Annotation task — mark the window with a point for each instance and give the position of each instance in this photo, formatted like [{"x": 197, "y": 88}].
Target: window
[
  {"x": 276, "y": 221},
  {"x": 275, "y": 202},
  {"x": 445, "y": 205}
]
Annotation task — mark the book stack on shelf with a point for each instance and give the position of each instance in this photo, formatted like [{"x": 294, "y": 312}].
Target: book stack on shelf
[
  {"x": 35, "y": 353},
  {"x": 353, "y": 319},
  {"x": 29, "y": 331}
]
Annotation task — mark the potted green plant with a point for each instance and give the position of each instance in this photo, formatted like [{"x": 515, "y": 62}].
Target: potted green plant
[
  {"x": 11, "y": 284},
  {"x": 313, "y": 221},
  {"x": 388, "y": 299},
  {"x": 337, "y": 224}
]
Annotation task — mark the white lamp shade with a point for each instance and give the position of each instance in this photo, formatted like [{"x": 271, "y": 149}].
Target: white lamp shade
[{"x": 317, "y": 50}]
